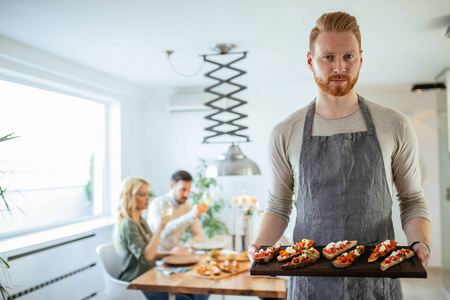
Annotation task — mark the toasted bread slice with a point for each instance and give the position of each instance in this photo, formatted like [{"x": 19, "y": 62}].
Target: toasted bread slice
[
  {"x": 204, "y": 270},
  {"x": 334, "y": 249},
  {"x": 306, "y": 244},
  {"x": 347, "y": 258},
  {"x": 289, "y": 253},
  {"x": 395, "y": 258},
  {"x": 266, "y": 255},
  {"x": 382, "y": 250},
  {"x": 307, "y": 258}
]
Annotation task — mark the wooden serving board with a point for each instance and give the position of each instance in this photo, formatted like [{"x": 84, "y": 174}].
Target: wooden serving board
[
  {"x": 217, "y": 277},
  {"x": 410, "y": 268}
]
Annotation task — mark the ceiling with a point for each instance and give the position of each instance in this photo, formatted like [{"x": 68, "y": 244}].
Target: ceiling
[{"x": 403, "y": 41}]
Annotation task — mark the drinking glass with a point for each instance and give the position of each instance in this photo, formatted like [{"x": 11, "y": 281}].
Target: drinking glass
[
  {"x": 207, "y": 197},
  {"x": 259, "y": 209},
  {"x": 166, "y": 207}
]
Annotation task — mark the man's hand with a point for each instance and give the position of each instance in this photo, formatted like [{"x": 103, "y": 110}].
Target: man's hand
[
  {"x": 251, "y": 250},
  {"x": 422, "y": 253},
  {"x": 198, "y": 209},
  {"x": 419, "y": 229}
]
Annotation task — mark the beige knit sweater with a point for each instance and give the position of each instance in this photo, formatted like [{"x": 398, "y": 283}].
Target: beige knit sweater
[{"x": 399, "y": 146}]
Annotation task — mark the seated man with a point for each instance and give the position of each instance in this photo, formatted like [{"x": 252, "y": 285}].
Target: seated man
[{"x": 184, "y": 215}]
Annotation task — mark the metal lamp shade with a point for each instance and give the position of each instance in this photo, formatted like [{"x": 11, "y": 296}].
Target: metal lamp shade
[{"x": 232, "y": 162}]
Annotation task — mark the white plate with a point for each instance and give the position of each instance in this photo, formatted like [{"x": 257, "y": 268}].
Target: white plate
[
  {"x": 180, "y": 259},
  {"x": 208, "y": 245}
]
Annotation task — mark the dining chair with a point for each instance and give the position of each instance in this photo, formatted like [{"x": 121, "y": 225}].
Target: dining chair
[{"x": 111, "y": 264}]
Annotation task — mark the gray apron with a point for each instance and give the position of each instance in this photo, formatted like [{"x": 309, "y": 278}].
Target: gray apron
[{"x": 343, "y": 195}]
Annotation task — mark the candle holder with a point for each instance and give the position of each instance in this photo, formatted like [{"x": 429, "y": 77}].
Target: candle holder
[{"x": 247, "y": 206}]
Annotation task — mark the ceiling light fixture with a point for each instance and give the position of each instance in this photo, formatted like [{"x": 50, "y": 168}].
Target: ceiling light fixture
[
  {"x": 169, "y": 54},
  {"x": 424, "y": 87},
  {"x": 232, "y": 161}
]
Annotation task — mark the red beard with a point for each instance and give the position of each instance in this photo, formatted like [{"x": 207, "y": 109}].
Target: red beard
[{"x": 336, "y": 90}]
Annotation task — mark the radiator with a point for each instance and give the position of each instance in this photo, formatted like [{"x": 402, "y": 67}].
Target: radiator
[{"x": 67, "y": 269}]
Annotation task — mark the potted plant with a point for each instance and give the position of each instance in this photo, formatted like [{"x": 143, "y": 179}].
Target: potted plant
[
  {"x": 3, "y": 291},
  {"x": 205, "y": 186},
  {"x": 3, "y": 263}
]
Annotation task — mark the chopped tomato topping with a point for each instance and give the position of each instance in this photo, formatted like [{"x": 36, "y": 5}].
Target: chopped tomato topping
[
  {"x": 345, "y": 259},
  {"x": 331, "y": 250}
]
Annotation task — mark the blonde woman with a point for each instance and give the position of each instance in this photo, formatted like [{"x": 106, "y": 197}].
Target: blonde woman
[{"x": 134, "y": 240}]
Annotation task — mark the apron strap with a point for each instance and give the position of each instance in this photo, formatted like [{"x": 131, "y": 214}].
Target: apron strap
[
  {"x": 366, "y": 114},
  {"x": 307, "y": 129}
]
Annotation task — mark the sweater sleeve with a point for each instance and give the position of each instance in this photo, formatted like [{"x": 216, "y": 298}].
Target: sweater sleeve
[
  {"x": 406, "y": 174},
  {"x": 282, "y": 178},
  {"x": 133, "y": 240},
  {"x": 173, "y": 232}
]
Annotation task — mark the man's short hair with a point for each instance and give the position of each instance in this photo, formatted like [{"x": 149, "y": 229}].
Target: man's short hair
[
  {"x": 181, "y": 175},
  {"x": 334, "y": 22}
]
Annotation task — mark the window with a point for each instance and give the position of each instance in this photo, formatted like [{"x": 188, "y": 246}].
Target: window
[{"x": 53, "y": 171}]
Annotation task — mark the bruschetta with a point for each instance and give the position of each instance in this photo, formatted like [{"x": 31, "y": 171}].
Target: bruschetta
[
  {"x": 396, "y": 257},
  {"x": 288, "y": 253},
  {"x": 382, "y": 249},
  {"x": 215, "y": 268},
  {"x": 229, "y": 266},
  {"x": 334, "y": 249},
  {"x": 204, "y": 270},
  {"x": 295, "y": 250},
  {"x": 305, "y": 244},
  {"x": 266, "y": 255},
  {"x": 347, "y": 258},
  {"x": 307, "y": 258}
]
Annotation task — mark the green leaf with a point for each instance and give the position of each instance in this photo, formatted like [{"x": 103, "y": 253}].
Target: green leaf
[
  {"x": 310, "y": 253},
  {"x": 4, "y": 292},
  {"x": 8, "y": 137},
  {"x": 4, "y": 262},
  {"x": 2, "y": 191}
]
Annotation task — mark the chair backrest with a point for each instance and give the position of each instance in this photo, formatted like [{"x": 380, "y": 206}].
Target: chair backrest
[
  {"x": 110, "y": 259},
  {"x": 111, "y": 264}
]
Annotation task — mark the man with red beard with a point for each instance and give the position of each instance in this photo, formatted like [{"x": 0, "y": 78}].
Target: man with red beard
[{"x": 337, "y": 160}]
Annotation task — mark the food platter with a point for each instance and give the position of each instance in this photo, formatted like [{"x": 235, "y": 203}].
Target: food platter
[
  {"x": 411, "y": 268},
  {"x": 241, "y": 267},
  {"x": 180, "y": 260}
]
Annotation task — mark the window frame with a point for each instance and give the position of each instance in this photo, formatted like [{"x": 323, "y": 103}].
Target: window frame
[{"x": 34, "y": 75}]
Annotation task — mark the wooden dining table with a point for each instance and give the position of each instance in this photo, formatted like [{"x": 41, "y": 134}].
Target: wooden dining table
[{"x": 239, "y": 284}]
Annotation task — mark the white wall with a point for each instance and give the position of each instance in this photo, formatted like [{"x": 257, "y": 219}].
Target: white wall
[
  {"x": 421, "y": 110},
  {"x": 183, "y": 134},
  {"x": 132, "y": 138}
]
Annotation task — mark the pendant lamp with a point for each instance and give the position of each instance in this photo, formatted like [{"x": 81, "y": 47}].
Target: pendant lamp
[{"x": 232, "y": 162}]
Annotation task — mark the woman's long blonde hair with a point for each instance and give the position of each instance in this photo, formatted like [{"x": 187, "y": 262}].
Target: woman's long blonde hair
[{"x": 127, "y": 204}]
